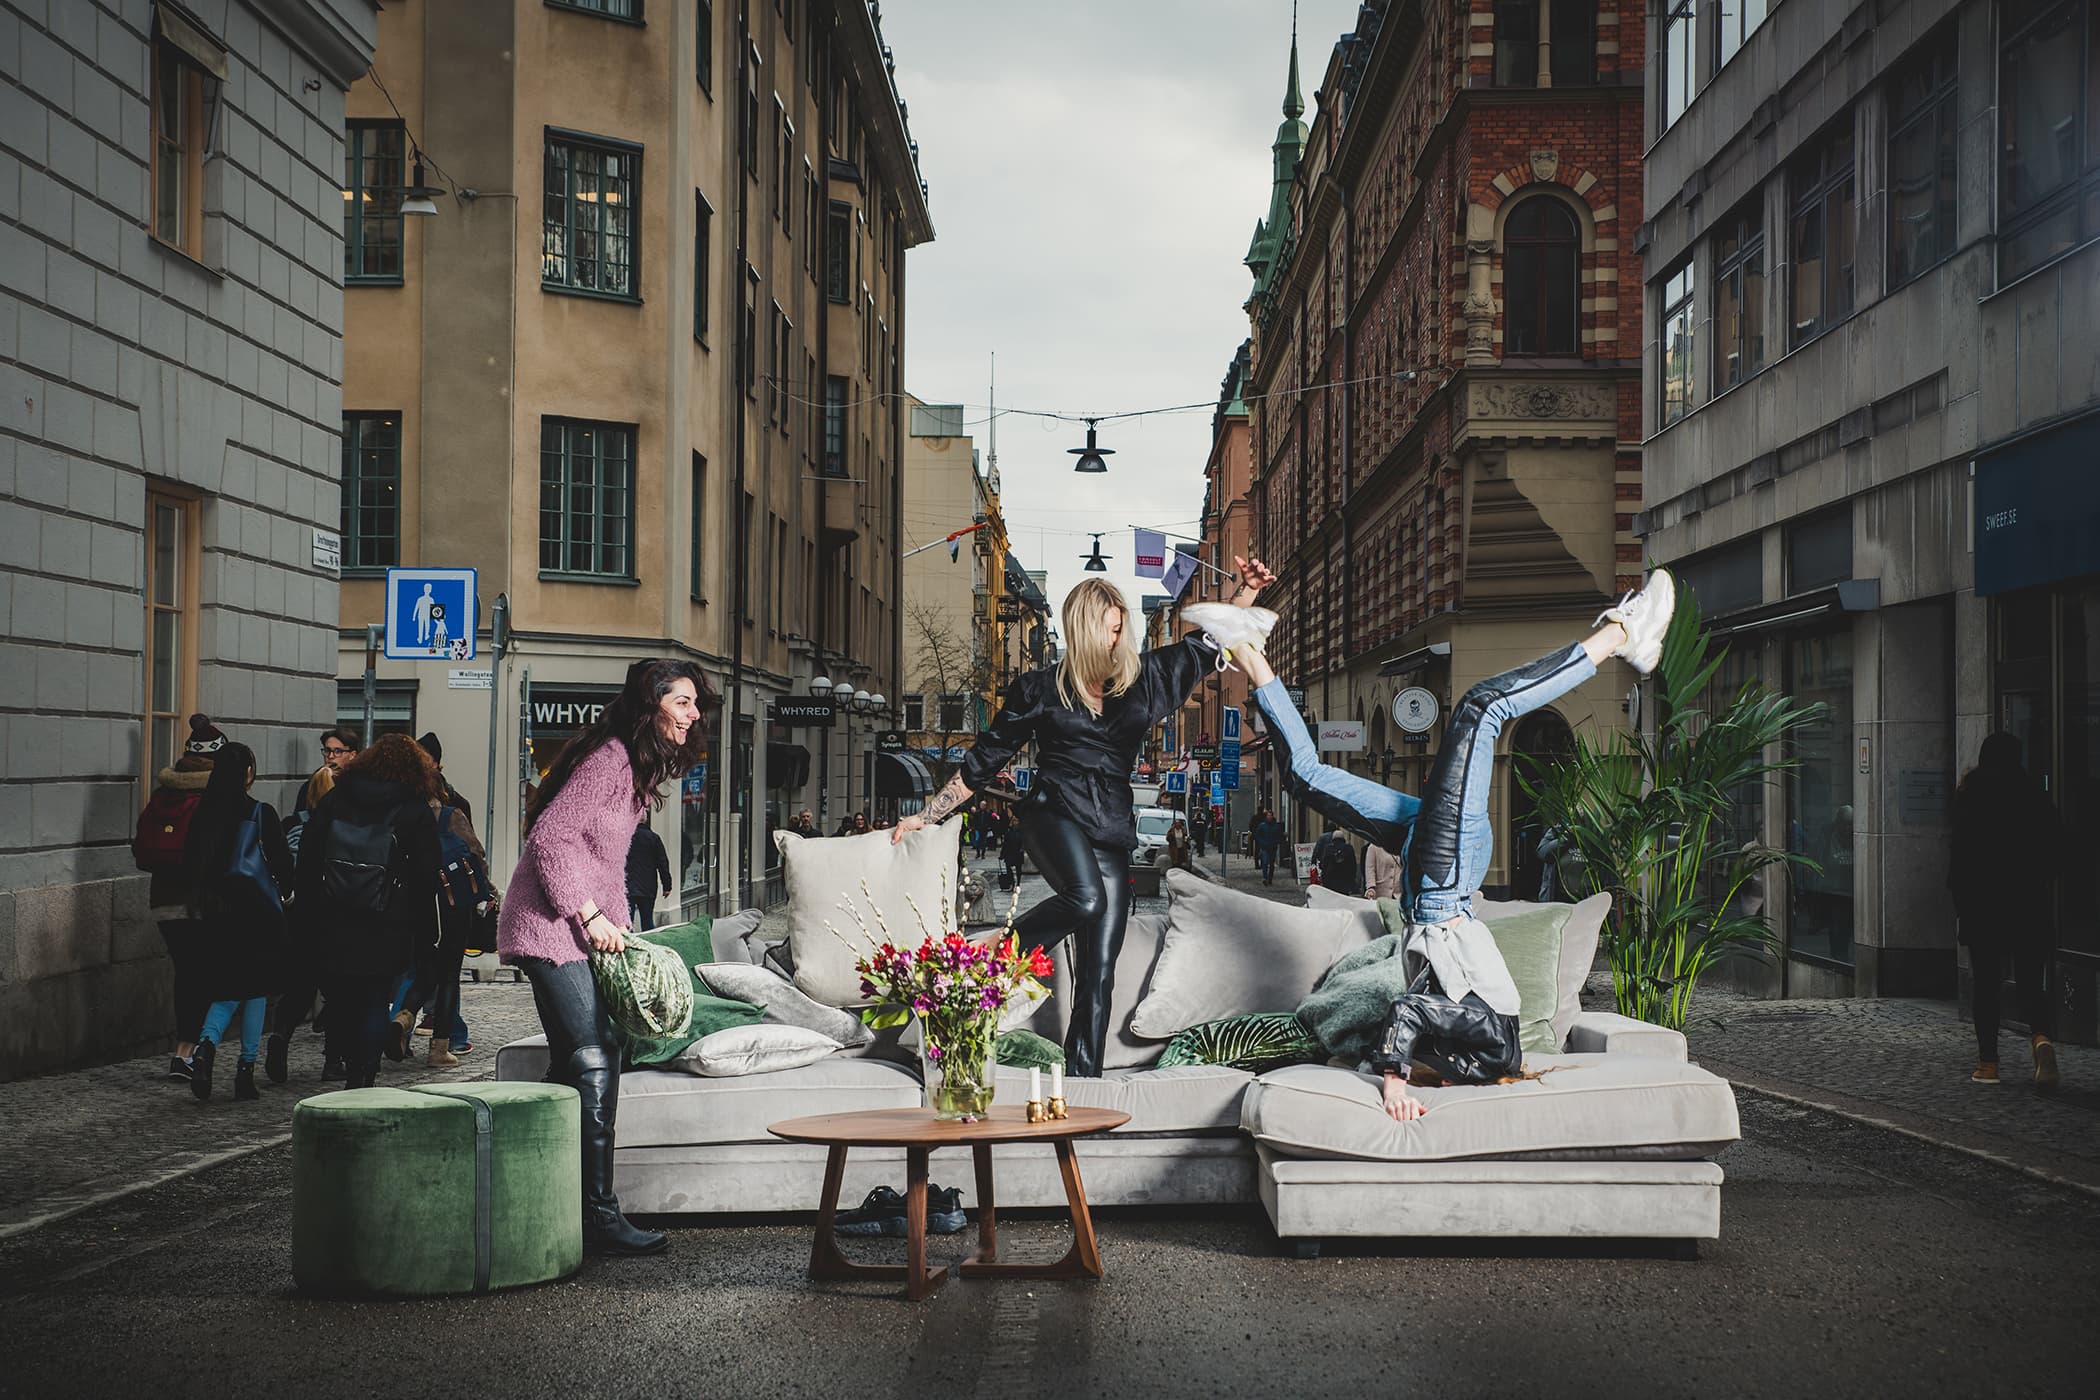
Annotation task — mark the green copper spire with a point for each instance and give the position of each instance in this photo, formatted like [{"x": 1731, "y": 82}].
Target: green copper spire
[
  {"x": 1274, "y": 231},
  {"x": 1293, "y": 101}
]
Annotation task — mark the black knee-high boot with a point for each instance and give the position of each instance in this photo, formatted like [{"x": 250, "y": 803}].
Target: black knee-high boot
[{"x": 595, "y": 1074}]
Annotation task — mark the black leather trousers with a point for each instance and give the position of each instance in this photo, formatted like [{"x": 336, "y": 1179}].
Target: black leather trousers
[
  {"x": 1464, "y": 1041},
  {"x": 1090, "y": 904},
  {"x": 583, "y": 1052}
]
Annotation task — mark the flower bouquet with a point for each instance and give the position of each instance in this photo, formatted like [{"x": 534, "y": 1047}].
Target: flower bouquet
[{"x": 957, "y": 989}]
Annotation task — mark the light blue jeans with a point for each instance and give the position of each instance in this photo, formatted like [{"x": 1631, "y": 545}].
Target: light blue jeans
[
  {"x": 1446, "y": 842},
  {"x": 220, "y": 1016}
]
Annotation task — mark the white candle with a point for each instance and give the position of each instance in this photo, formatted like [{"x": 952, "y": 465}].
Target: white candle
[
  {"x": 1035, "y": 1084},
  {"x": 1057, "y": 1081}
]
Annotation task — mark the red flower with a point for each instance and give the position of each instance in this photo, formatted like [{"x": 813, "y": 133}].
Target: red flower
[{"x": 1039, "y": 966}]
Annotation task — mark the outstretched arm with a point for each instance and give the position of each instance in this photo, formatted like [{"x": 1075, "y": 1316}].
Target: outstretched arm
[{"x": 945, "y": 801}]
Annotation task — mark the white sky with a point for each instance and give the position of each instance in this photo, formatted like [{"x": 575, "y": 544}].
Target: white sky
[{"x": 1096, "y": 168}]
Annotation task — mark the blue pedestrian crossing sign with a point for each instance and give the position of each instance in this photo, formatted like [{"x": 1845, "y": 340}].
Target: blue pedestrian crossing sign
[
  {"x": 1217, "y": 788},
  {"x": 1177, "y": 781},
  {"x": 1231, "y": 734},
  {"x": 430, "y": 614}
]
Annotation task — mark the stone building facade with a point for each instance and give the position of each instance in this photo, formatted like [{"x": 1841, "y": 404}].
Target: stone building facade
[
  {"x": 1444, "y": 379},
  {"x": 1872, "y": 412},
  {"x": 641, "y": 371},
  {"x": 170, "y": 366}
]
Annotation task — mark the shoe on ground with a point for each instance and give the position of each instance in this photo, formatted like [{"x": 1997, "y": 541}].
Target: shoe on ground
[
  {"x": 462, "y": 1047},
  {"x": 2045, "y": 1075},
  {"x": 276, "y": 1058},
  {"x": 178, "y": 1068},
  {"x": 606, "y": 1231},
  {"x": 1229, "y": 626},
  {"x": 332, "y": 1070},
  {"x": 1986, "y": 1073},
  {"x": 441, "y": 1056},
  {"x": 1645, "y": 614},
  {"x": 398, "y": 1032},
  {"x": 944, "y": 1210},
  {"x": 244, "y": 1082},
  {"x": 426, "y": 1026},
  {"x": 882, "y": 1213},
  {"x": 200, "y": 1070}
]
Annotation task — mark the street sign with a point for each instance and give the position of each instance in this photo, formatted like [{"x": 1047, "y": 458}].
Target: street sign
[
  {"x": 1204, "y": 753},
  {"x": 890, "y": 741},
  {"x": 1217, "y": 789},
  {"x": 1297, "y": 694},
  {"x": 430, "y": 614},
  {"x": 328, "y": 552},
  {"x": 468, "y": 680},
  {"x": 1229, "y": 775},
  {"x": 1177, "y": 782},
  {"x": 1023, "y": 778},
  {"x": 1414, "y": 710},
  {"x": 806, "y": 711},
  {"x": 1232, "y": 725},
  {"x": 1012, "y": 610}
]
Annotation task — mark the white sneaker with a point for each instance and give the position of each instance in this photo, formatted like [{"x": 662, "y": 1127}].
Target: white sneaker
[
  {"x": 1229, "y": 626},
  {"x": 1645, "y": 614}
]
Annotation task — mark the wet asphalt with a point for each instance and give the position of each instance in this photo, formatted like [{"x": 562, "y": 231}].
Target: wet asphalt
[{"x": 1852, "y": 1261}]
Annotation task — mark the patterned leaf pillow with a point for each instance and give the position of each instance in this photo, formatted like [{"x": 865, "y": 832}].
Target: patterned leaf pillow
[
  {"x": 1257, "y": 1043},
  {"x": 1021, "y": 1049}
]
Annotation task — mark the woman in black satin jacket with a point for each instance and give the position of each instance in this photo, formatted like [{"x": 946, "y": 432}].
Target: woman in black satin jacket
[{"x": 1087, "y": 716}]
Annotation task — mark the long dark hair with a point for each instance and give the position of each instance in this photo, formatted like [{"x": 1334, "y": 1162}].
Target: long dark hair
[
  {"x": 630, "y": 720},
  {"x": 209, "y": 844}
]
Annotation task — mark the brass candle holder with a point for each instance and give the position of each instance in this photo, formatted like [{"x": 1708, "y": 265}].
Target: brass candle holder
[
  {"x": 1036, "y": 1112},
  {"x": 1056, "y": 1108}
]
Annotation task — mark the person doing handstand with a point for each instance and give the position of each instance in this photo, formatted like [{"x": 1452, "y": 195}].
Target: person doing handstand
[{"x": 1459, "y": 1015}]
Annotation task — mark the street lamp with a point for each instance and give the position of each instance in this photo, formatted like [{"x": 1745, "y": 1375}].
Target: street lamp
[
  {"x": 416, "y": 199},
  {"x": 821, "y": 687},
  {"x": 1096, "y": 563},
  {"x": 1090, "y": 456}
]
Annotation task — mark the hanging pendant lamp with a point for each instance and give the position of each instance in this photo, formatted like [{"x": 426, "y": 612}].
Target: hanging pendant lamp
[
  {"x": 1096, "y": 563},
  {"x": 1091, "y": 456}
]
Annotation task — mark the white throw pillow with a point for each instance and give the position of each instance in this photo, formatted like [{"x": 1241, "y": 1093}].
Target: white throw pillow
[
  {"x": 755, "y": 1049},
  {"x": 1322, "y": 898},
  {"x": 783, "y": 1001},
  {"x": 1233, "y": 954},
  {"x": 825, "y": 872}
]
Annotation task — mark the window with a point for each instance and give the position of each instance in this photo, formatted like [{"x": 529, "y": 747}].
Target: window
[
  {"x": 1676, "y": 351},
  {"x": 2049, "y": 132},
  {"x": 704, "y": 45},
  {"x": 1739, "y": 296},
  {"x": 812, "y": 212},
  {"x": 1516, "y": 43},
  {"x": 838, "y": 253},
  {"x": 1540, "y": 278},
  {"x": 744, "y": 556},
  {"x": 188, "y": 66},
  {"x": 589, "y": 240},
  {"x": 915, "y": 712},
  {"x": 1820, "y": 814},
  {"x": 1819, "y": 550},
  {"x": 372, "y": 158},
  {"x": 783, "y": 339},
  {"x": 698, "y": 507},
  {"x": 1739, "y": 20},
  {"x": 1921, "y": 160},
  {"x": 784, "y": 192},
  {"x": 703, "y": 262},
  {"x": 834, "y": 426},
  {"x": 954, "y": 714},
  {"x": 1572, "y": 26},
  {"x": 611, "y": 9},
  {"x": 371, "y": 490},
  {"x": 1822, "y": 235},
  {"x": 747, "y": 351},
  {"x": 1679, "y": 30},
  {"x": 1727, "y": 579},
  {"x": 750, "y": 133},
  {"x": 780, "y": 573},
  {"x": 586, "y": 498},
  {"x": 171, "y": 626}
]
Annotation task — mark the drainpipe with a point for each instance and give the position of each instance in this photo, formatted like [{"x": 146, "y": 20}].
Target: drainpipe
[{"x": 746, "y": 365}]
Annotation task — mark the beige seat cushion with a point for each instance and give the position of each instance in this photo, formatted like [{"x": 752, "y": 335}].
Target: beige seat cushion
[
  {"x": 1587, "y": 1106},
  {"x": 1185, "y": 1099}
]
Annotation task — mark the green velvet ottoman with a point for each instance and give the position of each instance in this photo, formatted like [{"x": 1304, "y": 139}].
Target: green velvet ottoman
[{"x": 438, "y": 1189}]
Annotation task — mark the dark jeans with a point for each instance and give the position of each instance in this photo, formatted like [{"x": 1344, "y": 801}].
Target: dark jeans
[
  {"x": 357, "y": 1023},
  {"x": 2029, "y": 969},
  {"x": 643, "y": 908},
  {"x": 191, "y": 999},
  {"x": 1266, "y": 855},
  {"x": 1090, "y": 904},
  {"x": 436, "y": 983}
]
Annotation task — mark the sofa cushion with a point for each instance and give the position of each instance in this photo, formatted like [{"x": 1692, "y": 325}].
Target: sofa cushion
[
  {"x": 879, "y": 882},
  {"x": 730, "y": 936},
  {"x": 759, "y": 1049},
  {"x": 1191, "y": 1099},
  {"x": 1233, "y": 954},
  {"x": 781, "y": 1000},
  {"x": 1584, "y": 1106},
  {"x": 711, "y": 1012},
  {"x": 670, "y": 1108}
]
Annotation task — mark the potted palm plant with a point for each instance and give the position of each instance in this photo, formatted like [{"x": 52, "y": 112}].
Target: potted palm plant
[{"x": 1646, "y": 818}]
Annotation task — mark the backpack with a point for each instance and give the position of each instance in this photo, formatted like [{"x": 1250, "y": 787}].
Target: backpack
[
  {"x": 164, "y": 827},
  {"x": 245, "y": 888},
  {"x": 357, "y": 871},
  {"x": 464, "y": 877}
]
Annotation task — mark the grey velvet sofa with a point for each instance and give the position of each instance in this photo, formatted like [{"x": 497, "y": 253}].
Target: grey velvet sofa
[{"x": 1618, "y": 1139}]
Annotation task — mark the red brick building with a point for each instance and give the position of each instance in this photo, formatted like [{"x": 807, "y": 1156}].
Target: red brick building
[{"x": 1445, "y": 373}]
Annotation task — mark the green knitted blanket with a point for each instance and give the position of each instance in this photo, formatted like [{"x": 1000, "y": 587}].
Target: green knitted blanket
[{"x": 1347, "y": 1007}]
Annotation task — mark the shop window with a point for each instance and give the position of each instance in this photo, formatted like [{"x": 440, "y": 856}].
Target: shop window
[
  {"x": 172, "y": 552},
  {"x": 2076, "y": 790},
  {"x": 1821, "y": 818},
  {"x": 1819, "y": 550},
  {"x": 1921, "y": 159},
  {"x": 589, "y": 240},
  {"x": 373, "y": 158},
  {"x": 1541, "y": 278},
  {"x": 1675, "y": 356},
  {"x": 1739, "y": 297},
  {"x": 371, "y": 519},
  {"x": 2048, "y": 131},
  {"x": 1822, "y": 234}
]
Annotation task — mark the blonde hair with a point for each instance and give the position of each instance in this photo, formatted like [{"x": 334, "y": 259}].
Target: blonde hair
[
  {"x": 1087, "y": 661},
  {"x": 318, "y": 785}
]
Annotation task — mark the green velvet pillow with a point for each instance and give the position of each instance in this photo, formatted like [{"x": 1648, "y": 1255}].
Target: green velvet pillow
[
  {"x": 1257, "y": 1043},
  {"x": 1531, "y": 946},
  {"x": 1026, "y": 1050},
  {"x": 694, "y": 943}
]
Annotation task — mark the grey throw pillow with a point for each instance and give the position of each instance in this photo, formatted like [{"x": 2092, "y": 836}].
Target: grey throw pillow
[
  {"x": 731, "y": 936},
  {"x": 784, "y": 1004}
]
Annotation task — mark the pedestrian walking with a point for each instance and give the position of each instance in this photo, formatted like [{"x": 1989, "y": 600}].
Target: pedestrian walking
[
  {"x": 565, "y": 899},
  {"x": 240, "y": 870},
  {"x": 158, "y": 847},
  {"x": 1268, "y": 838},
  {"x": 466, "y": 895},
  {"x": 1199, "y": 827},
  {"x": 1013, "y": 850},
  {"x": 648, "y": 869},
  {"x": 1381, "y": 872},
  {"x": 367, "y": 892},
  {"x": 2007, "y": 852},
  {"x": 1335, "y": 861},
  {"x": 299, "y": 983}
]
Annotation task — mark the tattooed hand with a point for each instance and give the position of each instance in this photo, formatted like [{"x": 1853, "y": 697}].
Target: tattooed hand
[{"x": 944, "y": 802}]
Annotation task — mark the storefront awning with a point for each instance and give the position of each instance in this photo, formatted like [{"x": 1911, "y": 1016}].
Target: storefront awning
[
  {"x": 1851, "y": 596},
  {"x": 902, "y": 775},
  {"x": 2038, "y": 509},
  {"x": 1416, "y": 660}
]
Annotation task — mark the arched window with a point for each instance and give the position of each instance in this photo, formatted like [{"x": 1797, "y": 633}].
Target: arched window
[{"x": 1539, "y": 284}]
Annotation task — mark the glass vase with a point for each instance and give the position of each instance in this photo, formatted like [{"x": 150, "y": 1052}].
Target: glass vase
[{"x": 959, "y": 1060}]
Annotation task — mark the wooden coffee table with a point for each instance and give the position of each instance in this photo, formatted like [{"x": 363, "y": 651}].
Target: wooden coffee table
[{"x": 918, "y": 1132}]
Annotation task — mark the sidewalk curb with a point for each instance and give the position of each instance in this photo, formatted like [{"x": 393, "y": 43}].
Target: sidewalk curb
[
  {"x": 2054, "y": 1168},
  {"x": 132, "y": 1188}
]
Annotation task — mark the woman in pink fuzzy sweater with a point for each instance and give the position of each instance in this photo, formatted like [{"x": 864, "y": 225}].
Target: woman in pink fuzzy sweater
[{"x": 568, "y": 897}]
